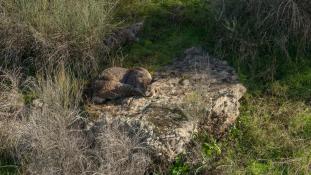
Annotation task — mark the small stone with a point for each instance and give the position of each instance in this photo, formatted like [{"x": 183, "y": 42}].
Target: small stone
[
  {"x": 184, "y": 82},
  {"x": 213, "y": 80},
  {"x": 193, "y": 51},
  {"x": 224, "y": 62},
  {"x": 234, "y": 77},
  {"x": 37, "y": 103}
]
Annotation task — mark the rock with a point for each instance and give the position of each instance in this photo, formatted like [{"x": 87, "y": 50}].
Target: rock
[
  {"x": 37, "y": 103},
  {"x": 193, "y": 51},
  {"x": 184, "y": 82},
  {"x": 190, "y": 96}
]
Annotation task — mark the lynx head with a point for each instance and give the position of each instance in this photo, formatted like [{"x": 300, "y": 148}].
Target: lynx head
[{"x": 140, "y": 78}]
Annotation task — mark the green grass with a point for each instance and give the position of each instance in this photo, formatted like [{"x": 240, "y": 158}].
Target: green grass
[
  {"x": 166, "y": 34},
  {"x": 7, "y": 166},
  {"x": 154, "y": 53},
  {"x": 271, "y": 135},
  {"x": 273, "y": 132},
  {"x": 299, "y": 84}
]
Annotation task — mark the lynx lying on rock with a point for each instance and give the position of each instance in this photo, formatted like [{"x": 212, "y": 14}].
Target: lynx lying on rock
[{"x": 117, "y": 82}]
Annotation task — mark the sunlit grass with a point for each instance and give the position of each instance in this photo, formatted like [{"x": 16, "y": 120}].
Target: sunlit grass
[{"x": 81, "y": 20}]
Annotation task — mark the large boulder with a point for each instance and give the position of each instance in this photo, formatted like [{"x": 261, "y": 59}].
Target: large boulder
[{"x": 196, "y": 92}]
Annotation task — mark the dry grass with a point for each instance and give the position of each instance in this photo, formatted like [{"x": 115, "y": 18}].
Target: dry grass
[
  {"x": 58, "y": 43},
  {"x": 263, "y": 34},
  {"x": 81, "y": 19},
  {"x": 11, "y": 99},
  {"x": 43, "y": 141},
  {"x": 125, "y": 155},
  {"x": 39, "y": 34},
  {"x": 282, "y": 17}
]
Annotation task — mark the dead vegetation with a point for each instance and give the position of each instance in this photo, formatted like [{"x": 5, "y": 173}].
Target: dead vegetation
[
  {"x": 39, "y": 35},
  {"x": 11, "y": 98},
  {"x": 52, "y": 45},
  {"x": 263, "y": 34},
  {"x": 42, "y": 141}
]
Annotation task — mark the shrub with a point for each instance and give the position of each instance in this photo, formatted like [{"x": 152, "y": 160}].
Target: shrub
[{"x": 271, "y": 37}]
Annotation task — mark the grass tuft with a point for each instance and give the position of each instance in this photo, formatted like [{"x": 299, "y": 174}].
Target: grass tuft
[{"x": 39, "y": 34}]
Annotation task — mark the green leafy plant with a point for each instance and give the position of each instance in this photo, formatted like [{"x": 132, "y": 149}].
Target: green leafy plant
[
  {"x": 179, "y": 167},
  {"x": 211, "y": 149}
]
